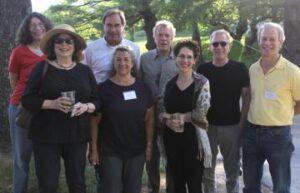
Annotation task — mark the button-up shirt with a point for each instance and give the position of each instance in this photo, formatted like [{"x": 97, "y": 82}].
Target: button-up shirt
[
  {"x": 156, "y": 70},
  {"x": 99, "y": 55}
]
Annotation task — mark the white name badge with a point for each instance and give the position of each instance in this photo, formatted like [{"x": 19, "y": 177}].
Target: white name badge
[
  {"x": 270, "y": 95},
  {"x": 129, "y": 95}
]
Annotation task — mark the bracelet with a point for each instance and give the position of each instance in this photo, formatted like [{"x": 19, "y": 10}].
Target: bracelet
[{"x": 88, "y": 108}]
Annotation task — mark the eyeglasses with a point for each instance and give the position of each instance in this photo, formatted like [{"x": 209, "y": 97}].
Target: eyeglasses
[
  {"x": 216, "y": 44},
  {"x": 182, "y": 57},
  {"x": 62, "y": 40},
  {"x": 40, "y": 25}
]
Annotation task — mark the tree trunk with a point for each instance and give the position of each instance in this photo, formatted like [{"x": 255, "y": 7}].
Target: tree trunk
[
  {"x": 11, "y": 14},
  {"x": 149, "y": 20},
  {"x": 291, "y": 48},
  {"x": 250, "y": 37},
  {"x": 196, "y": 37}
]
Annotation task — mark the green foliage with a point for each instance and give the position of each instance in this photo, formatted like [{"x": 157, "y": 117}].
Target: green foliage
[{"x": 85, "y": 16}]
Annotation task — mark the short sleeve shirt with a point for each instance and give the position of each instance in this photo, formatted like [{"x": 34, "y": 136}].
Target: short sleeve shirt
[
  {"x": 226, "y": 84},
  {"x": 273, "y": 94},
  {"x": 21, "y": 62},
  {"x": 123, "y": 110}
]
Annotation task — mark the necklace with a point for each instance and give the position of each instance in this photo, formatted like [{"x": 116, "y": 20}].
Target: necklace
[{"x": 65, "y": 67}]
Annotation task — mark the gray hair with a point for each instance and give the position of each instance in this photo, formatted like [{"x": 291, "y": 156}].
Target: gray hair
[
  {"x": 220, "y": 31},
  {"x": 167, "y": 24},
  {"x": 111, "y": 12},
  {"x": 127, "y": 49},
  {"x": 276, "y": 26}
]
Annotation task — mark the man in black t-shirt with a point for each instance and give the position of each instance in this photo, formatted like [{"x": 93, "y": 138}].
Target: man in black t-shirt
[{"x": 229, "y": 80}]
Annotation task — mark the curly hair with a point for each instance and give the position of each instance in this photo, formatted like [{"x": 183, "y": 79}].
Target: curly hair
[
  {"x": 23, "y": 35},
  {"x": 77, "y": 54},
  {"x": 190, "y": 44}
]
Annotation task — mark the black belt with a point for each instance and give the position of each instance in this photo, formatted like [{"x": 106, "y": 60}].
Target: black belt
[{"x": 268, "y": 126}]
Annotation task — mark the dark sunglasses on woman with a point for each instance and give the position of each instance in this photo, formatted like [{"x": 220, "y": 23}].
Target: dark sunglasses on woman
[
  {"x": 216, "y": 44},
  {"x": 62, "y": 40}
]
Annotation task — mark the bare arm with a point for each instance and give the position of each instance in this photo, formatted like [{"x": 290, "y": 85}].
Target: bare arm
[
  {"x": 245, "y": 105},
  {"x": 13, "y": 79},
  {"x": 297, "y": 108},
  {"x": 149, "y": 132},
  {"x": 93, "y": 144}
]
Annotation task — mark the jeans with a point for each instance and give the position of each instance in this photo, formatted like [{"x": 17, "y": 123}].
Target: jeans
[
  {"x": 271, "y": 144},
  {"x": 228, "y": 139},
  {"x": 21, "y": 152},
  {"x": 122, "y": 175}
]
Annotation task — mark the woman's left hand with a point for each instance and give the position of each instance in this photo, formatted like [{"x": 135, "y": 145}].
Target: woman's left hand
[
  {"x": 79, "y": 108},
  {"x": 148, "y": 153}
]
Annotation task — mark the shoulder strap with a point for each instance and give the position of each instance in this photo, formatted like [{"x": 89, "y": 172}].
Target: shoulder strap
[{"x": 45, "y": 68}]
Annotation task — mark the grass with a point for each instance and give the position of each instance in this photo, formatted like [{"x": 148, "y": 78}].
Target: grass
[{"x": 6, "y": 177}]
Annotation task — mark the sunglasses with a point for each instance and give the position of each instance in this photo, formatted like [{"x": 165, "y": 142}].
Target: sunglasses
[
  {"x": 216, "y": 44},
  {"x": 62, "y": 40}
]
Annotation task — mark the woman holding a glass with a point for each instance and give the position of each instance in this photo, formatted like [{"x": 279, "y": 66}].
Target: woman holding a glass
[
  {"x": 60, "y": 129},
  {"x": 183, "y": 107}
]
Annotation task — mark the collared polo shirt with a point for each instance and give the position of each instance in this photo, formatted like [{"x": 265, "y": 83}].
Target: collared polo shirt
[
  {"x": 273, "y": 94},
  {"x": 156, "y": 70},
  {"x": 99, "y": 55}
]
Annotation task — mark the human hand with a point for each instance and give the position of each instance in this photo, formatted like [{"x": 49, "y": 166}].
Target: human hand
[
  {"x": 62, "y": 104},
  {"x": 176, "y": 122},
  {"x": 93, "y": 157},
  {"x": 163, "y": 116},
  {"x": 148, "y": 153},
  {"x": 79, "y": 108}
]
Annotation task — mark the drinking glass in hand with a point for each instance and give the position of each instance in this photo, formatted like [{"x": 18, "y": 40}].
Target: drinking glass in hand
[
  {"x": 179, "y": 119},
  {"x": 71, "y": 96}
]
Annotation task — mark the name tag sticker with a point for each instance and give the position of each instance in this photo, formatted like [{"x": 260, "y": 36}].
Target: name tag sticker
[
  {"x": 129, "y": 95},
  {"x": 270, "y": 95}
]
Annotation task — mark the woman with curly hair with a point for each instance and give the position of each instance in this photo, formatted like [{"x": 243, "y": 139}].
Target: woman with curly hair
[
  {"x": 183, "y": 106},
  {"x": 22, "y": 60}
]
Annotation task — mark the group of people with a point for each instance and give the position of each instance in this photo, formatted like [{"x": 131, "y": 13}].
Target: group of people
[{"x": 129, "y": 110}]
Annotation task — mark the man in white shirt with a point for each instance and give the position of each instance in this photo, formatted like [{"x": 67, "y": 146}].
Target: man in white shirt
[{"x": 99, "y": 53}]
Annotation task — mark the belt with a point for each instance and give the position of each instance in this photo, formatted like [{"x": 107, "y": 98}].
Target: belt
[{"x": 268, "y": 126}]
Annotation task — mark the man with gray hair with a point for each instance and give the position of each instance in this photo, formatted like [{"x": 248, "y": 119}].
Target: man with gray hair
[
  {"x": 157, "y": 67},
  {"x": 275, "y": 99},
  {"x": 229, "y": 80},
  {"x": 98, "y": 54}
]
